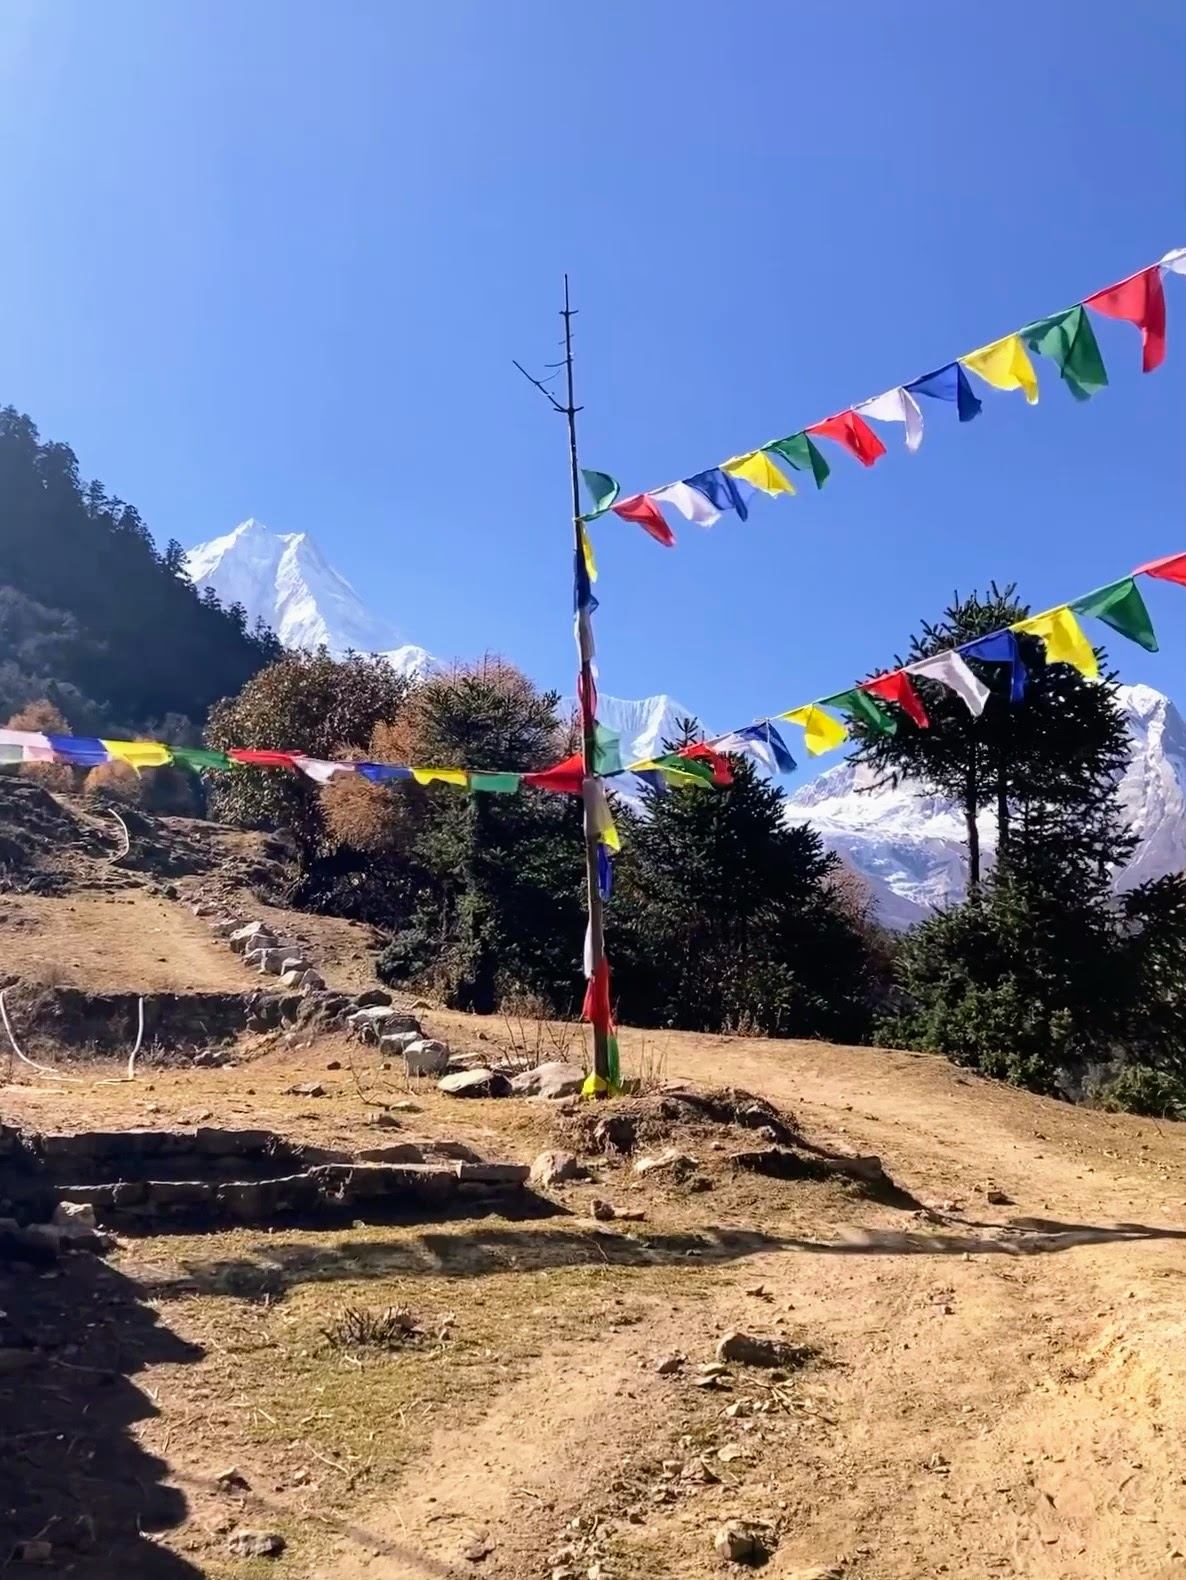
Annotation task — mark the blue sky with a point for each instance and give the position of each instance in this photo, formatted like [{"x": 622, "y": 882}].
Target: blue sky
[{"x": 275, "y": 259}]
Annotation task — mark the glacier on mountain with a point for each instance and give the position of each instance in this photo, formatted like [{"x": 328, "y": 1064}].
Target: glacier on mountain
[{"x": 283, "y": 579}]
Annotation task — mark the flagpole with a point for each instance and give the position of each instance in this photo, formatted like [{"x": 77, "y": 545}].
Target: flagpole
[{"x": 588, "y": 723}]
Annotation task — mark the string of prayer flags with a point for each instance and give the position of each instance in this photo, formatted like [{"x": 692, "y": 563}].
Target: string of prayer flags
[
  {"x": 1066, "y": 337},
  {"x": 1170, "y": 568},
  {"x": 798, "y": 451},
  {"x": 861, "y": 707},
  {"x": 1001, "y": 647},
  {"x": 820, "y": 731},
  {"x": 604, "y": 491},
  {"x": 1069, "y": 341},
  {"x": 1141, "y": 301},
  {"x": 949, "y": 669},
  {"x": 641, "y": 508},
  {"x": 1063, "y": 638},
  {"x": 854, "y": 433},
  {"x": 895, "y": 687},
  {"x": 950, "y": 384},
  {"x": 896, "y": 405},
  {"x": 1121, "y": 606},
  {"x": 1005, "y": 366},
  {"x": 763, "y": 743},
  {"x": 757, "y": 468}
]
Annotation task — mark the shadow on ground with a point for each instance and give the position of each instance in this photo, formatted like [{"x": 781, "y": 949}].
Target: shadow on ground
[
  {"x": 276, "y": 1265},
  {"x": 74, "y": 1334}
]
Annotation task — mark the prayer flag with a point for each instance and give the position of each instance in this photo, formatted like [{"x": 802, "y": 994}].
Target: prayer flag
[
  {"x": 721, "y": 489},
  {"x": 497, "y": 784},
  {"x": 1174, "y": 262},
  {"x": 858, "y": 705},
  {"x": 896, "y": 406},
  {"x": 607, "y": 753},
  {"x": 821, "y": 731},
  {"x": 587, "y": 553},
  {"x": 605, "y": 873},
  {"x": 895, "y": 687},
  {"x": 251, "y": 758},
  {"x": 949, "y": 383},
  {"x": 798, "y": 451},
  {"x": 139, "y": 754},
  {"x": 379, "y": 773},
  {"x": 1121, "y": 606},
  {"x": 763, "y": 743},
  {"x": 690, "y": 502},
  {"x": 854, "y": 433},
  {"x": 641, "y": 508},
  {"x": 1069, "y": 341},
  {"x": 949, "y": 669},
  {"x": 1170, "y": 568},
  {"x": 445, "y": 776},
  {"x": 757, "y": 468},
  {"x": 603, "y": 490},
  {"x": 1140, "y": 301},
  {"x": 566, "y": 777},
  {"x": 1001, "y": 647},
  {"x": 1064, "y": 640},
  {"x": 700, "y": 752},
  {"x": 320, "y": 769},
  {"x": 78, "y": 751},
  {"x": 1005, "y": 365},
  {"x": 197, "y": 757}
]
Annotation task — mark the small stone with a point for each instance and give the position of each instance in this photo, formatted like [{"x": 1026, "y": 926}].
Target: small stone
[
  {"x": 668, "y": 1365},
  {"x": 305, "y": 1089},
  {"x": 603, "y": 1211},
  {"x": 386, "y": 1121},
  {"x": 372, "y": 998},
  {"x": 817, "y": 1572},
  {"x": 35, "y": 1552},
  {"x": 749, "y": 1350},
  {"x": 232, "y": 1479},
  {"x": 312, "y": 982},
  {"x": 712, "y": 1369},
  {"x": 670, "y": 1159},
  {"x": 424, "y": 1056},
  {"x": 997, "y": 1198},
  {"x": 71, "y": 1215},
  {"x": 555, "y": 1168},
  {"x": 481, "y": 1547},
  {"x": 740, "y": 1543},
  {"x": 551, "y": 1080},
  {"x": 256, "y": 1544},
  {"x": 333, "y": 1064},
  {"x": 479, "y": 1082},
  {"x": 730, "y": 1451}
]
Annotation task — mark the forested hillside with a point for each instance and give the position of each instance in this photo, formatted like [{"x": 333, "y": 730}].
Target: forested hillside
[{"x": 91, "y": 615}]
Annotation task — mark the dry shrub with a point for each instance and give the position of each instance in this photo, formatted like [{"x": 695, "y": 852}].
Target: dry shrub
[
  {"x": 360, "y": 814},
  {"x": 114, "y": 781},
  {"x": 358, "y": 1328},
  {"x": 44, "y": 718}
]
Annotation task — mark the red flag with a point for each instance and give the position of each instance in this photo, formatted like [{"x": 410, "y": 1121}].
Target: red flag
[
  {"x": 262, "y": 759},
  {"x": 565, "y": 777},
  {"x": 1140, "y": 301},
  {"x": 896, "y": 687},
  {"x": 1170, "y": 568},
  {"x": 854, "y": 433},
  {"x": 596, "y": 1009},
  {"x": 643, "y": 509},
  {"x": 722, "y": 774}
]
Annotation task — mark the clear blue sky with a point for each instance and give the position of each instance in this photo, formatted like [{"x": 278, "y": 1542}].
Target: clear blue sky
[{"x": 275, "y": 258}]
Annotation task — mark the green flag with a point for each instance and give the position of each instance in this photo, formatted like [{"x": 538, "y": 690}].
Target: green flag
[
  {"x": 1121, "y": 606},
  {"x": 500, "y": 784},
  {"x": 603, "y": 489},
  {"x": 196, "y": 757},
  {"x": 691, "y": 767},
  {"x": 861, "y": 706},
  {"x": 798, "y": 451},
  {"x": 1069, "y": 340},
  {"x": 607, "y": 754}
]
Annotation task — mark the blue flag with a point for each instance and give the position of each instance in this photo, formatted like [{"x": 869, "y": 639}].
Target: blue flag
[{"x": 949, "y": 383}]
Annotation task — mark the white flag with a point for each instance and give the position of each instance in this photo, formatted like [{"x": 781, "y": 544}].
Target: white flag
[
  {"x": 321, "y": 770},
  {"x": 1175, "y": 261},
  {"x": 690, "y": 502},
  {"x": 950, "y": 670},
  {"x": 896, "y": 406}
]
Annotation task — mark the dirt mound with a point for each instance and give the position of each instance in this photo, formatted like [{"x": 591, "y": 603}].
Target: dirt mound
[
  {"x": 673, "y": 1115},
  {"x": 33, "y": 825},
  {"x": 69, "y": 1019}
]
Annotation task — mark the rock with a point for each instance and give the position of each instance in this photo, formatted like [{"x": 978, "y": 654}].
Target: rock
[
  {"x": 293, "y": 978},
  {"x": 603, "y": 1211},
  {"x": 373, "y": 998},
  {"x": 35, "y": 1552},
  {"x": 668, "y": 1365},
  {"x": 294, "y": 963},
  {"x": 232, "y": 1480},
  {"x": 748, "y": 1350},
  {"x": 305, "y": 1089},
  {"x": 424, "y": 1056},
  {"x": 397, "y": 1041},
  {"x": 817, "y": 1572},
  {"x": 386, "y": 1121},
  {"x": 553, "y": 1167},
  {"x": 997, "y": 1198},
  {"x": 209, "y": 1059},
  {"x": 255, "y": 935},
  {"x": 397, "y": 1152},
  {"x": 14, "y": 1360},
  {"x": 333, "y": 1064},
  {"x": 492, "y": 1173},
  {"x": 740, "y": 1543},
  {"x": 479, "y": 1082},
  {"x": 269, "y": 962},
  {"x": 671, "y": 1160},
  {"x": 256, "y": 1544},
  {"x": 312, "y": 982},
  {"x": 74, "y": 1215},
  {"x": 554, "y": 1079}
]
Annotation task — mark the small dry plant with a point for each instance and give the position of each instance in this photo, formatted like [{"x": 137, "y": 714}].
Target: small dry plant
[
  {"x": 355, "y": 1328},
  {"x": 533, "y": 1037},
  {"x": 651, "y": 1073}
]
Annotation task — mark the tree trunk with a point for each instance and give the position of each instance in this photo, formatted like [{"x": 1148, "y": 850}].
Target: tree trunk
[
  {"x": 971, "y": 806},
  {"x": 1002, "y": 812}
]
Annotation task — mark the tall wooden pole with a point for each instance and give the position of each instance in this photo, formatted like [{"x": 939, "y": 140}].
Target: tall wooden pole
[{"x": 588, "y": 717}]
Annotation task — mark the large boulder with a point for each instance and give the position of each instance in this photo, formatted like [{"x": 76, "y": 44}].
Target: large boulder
[
  {"x": 424, "y": 1056},
  {"x": 555, "y": 1079},
  {"x": 254, "y": 935},
  {"x": 373, "y": 998},
  {"x": 480, "y": 1082},
  {"x": 557, "y": 1168},
  {"x": 395, "y": 1042}
]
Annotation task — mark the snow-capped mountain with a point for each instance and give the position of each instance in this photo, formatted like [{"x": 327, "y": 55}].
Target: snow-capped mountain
[
  {"x": 284, "y": 579},
  {"x": 911, "y": 847},
  {"x": 643, "y": 724}
]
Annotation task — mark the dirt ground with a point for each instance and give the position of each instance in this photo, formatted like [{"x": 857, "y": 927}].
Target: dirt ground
[{"x": 995, "y": 1388}]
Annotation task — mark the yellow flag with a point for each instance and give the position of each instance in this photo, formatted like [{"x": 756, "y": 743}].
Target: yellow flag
[
  {"x": 822, "y": 731},
  {"x": 757, "y": 468},
  {"x": 587, "y": 554},
  {"x": 1064, "y": 639},
  {"x": 140, "y": 754},
  {"x": 447, "y": 776},
  {"x": 1006, "y": 366}
]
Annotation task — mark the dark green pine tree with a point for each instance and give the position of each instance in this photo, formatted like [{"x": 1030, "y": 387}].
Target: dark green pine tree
[{"x": 725, "y": 919}]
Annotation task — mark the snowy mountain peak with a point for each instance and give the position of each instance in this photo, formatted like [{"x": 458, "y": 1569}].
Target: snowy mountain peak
[{"x": 284, "y": 579}]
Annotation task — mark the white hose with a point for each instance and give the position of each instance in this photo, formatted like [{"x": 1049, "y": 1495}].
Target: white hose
[
  {"x": 78, "y": 1080},
  {"x": 120, "y": 854}
]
